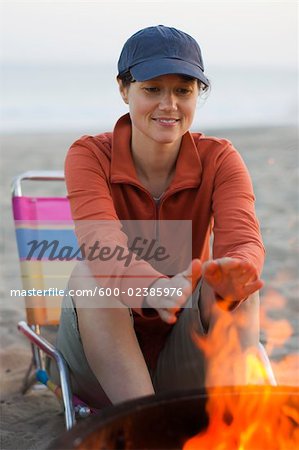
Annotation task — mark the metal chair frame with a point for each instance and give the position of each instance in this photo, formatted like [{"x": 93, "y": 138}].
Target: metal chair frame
[{"x": 39, "y": 344}]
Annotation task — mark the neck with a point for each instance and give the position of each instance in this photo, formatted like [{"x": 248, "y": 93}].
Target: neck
[{"x": 154, "y": 160}]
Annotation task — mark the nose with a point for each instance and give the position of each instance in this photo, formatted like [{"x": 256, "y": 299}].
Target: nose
[{"x": 168, "y": 102}]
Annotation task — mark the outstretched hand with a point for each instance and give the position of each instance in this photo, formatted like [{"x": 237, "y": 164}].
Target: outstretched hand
[
  {"x": 232, "y": 279},
  {"x": 175, "y": 292}
]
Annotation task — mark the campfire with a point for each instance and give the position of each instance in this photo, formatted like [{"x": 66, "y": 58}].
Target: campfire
[
  {"x": 264, "y": 418},
  {"x": 253, "y": 416},
  {"x": 253, "y": 419}
]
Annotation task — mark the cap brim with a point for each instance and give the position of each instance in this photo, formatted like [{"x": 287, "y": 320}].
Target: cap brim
[{"x": 145, "y": 71}]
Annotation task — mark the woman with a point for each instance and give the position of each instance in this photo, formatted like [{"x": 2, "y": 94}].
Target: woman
[{"x": 152, "y": 169}]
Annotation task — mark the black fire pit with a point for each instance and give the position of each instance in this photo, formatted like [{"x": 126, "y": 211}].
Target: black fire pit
[{"x": 155, "y": 422}]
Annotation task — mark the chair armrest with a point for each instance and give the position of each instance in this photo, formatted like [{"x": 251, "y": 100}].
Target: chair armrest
[{"x": 35, "y": 175}]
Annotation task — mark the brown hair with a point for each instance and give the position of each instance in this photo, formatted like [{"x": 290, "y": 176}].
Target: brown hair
[{"x": 127, "y": 79}]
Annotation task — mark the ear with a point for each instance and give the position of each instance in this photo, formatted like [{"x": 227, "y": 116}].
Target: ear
[{"x": 123, "y": 91}]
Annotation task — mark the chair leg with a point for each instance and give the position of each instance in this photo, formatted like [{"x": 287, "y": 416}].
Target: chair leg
[
  {"x": 51, "y": 351},
  {"x": 37, "y": 362},
  {"x": 36, "y": 351},
  {"x": 29, "y": 380}
]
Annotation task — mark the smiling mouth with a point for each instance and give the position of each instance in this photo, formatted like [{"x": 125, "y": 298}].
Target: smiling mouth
[{"x": 166, "y": 121}]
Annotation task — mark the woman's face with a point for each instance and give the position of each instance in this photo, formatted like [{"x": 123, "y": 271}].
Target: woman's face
[{"x": 161, "y": 109}]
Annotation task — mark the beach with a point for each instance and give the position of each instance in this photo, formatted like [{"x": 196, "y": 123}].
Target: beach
[{"x": 34, "y": 420}]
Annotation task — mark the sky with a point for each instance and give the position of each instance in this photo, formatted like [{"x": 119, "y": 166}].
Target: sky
[{"x": 230, "y": 33}]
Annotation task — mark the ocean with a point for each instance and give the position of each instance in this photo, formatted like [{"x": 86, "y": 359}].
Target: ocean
[{"x": 38, "y": 98}]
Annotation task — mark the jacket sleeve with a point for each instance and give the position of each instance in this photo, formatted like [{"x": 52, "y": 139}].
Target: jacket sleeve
[
  {"x": 98, "y": 227},
  {"x": 236, "y": 228}
]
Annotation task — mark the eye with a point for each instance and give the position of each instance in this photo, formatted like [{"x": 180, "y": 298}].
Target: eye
[
  {"x": 184, "y": 91},
  {"x": 151, "y": 89}
]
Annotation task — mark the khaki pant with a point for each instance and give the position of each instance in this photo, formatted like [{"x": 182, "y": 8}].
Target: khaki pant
[{"x": 180, "y": 364}]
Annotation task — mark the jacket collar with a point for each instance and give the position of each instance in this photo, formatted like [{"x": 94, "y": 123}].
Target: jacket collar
[{"x": 188, "y": 167}]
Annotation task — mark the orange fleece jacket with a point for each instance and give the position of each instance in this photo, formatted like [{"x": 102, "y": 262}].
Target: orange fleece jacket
[{"x": 211, "y": 187}]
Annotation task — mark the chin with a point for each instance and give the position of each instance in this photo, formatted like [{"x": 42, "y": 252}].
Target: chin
[{"x": 167, "y": 139}]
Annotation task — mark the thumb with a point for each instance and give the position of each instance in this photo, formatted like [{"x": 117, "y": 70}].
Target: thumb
[{"x": 193, "y": 272}]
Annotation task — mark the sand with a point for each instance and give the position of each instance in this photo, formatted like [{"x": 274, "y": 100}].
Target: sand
[{"x": 34, "y": 420}]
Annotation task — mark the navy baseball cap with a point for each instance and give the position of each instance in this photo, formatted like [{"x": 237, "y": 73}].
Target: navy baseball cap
[{"x": 161, "y": 50}]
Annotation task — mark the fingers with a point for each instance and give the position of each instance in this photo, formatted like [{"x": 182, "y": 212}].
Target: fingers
[
  {"x": 171, "y": 302},
  {"x": 232, "y": 278},
  {"x": 217, "y": 269},
  {"x": 167, "y": 316},
  {"x": 169, "y": 306},
  {"x": 253, "y": 286},
  {"x": 193, "y": 272},
  {"x": 213, "y": 271}
]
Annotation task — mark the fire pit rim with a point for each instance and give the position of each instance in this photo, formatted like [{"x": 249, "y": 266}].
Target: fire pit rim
[
  {"x": 114, "y": 412},
  {"x": 111, "y": 413}
]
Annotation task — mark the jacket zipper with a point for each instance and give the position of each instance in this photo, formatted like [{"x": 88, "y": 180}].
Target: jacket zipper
[{"x": 158, "y": 207}]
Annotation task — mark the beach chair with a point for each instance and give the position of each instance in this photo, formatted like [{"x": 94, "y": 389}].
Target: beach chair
[{"x": 44, "y": 220}]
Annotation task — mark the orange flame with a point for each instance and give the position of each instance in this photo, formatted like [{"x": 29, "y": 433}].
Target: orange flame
[
  {"x": 250, "y": 420},
  {"x": 254, "y": 417}
]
